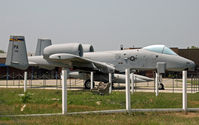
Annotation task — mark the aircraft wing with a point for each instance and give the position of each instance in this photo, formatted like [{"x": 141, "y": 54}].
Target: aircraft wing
[{"x": 81, "y": 63}]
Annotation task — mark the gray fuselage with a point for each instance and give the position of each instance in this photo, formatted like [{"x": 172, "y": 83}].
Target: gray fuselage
[{"x": 137, "y": 59}]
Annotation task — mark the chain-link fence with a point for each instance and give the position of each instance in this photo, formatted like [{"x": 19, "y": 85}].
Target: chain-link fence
[
  {"x": 14, "y": 80},
  {"x": 53, "y": 81}
]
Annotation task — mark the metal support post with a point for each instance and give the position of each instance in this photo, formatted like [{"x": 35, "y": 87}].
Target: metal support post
[
  {"x": 132, "y": 82},
  {"x": 128, "y": 96},
  {"x": 64, "y": 90},
  {"x": 111, "y": 83},
  {"x": 160, "y": 79},
  {"x": 56, "y": 79},
  {"x": 91, "y": 85},
  {"x": 184, "y": 94},
  {"x": 25, "y": 81},
  {"x": 32, "y": 76},
  {"x": 156, "y": 84},
  {"x": 13, "y": 77},
  {"x": 7, "y": 76}
]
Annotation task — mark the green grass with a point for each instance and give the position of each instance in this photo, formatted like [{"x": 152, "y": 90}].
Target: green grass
[
  {"x": 49, "y": 101},
  {"x": 109, "y": 119}
]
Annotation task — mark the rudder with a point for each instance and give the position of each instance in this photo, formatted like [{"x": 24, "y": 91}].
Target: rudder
[{"x": 17, "y": 54}]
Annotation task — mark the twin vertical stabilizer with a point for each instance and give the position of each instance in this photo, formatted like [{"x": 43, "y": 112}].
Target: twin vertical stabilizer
[
  {"x": 41, "y": 44},
  {"x": 17, "y": 54}
]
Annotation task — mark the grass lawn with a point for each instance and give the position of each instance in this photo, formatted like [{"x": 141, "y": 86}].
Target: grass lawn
[
  {"x": 49, "y": 101},
  {"x": 108, "y": 119}
]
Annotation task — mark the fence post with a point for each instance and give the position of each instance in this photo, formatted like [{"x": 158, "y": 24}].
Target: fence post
[
  {"x": 25, "y": 81},
  {"x": 91, "y": 85},
  {"x": 128, "y": 96},
  {"x": 7, "y": 76},
  {"x": 56, "y": 79},
  {"x": 132, "y": 82},
  {"x": 111, "y": 83},
  {"x": 13, "y": 76},
  {"x": 64, "y": 90},
  {"x": 156, "y": 84},
  {"x": 18, "y": 81},
  {"x": 184, "y": 94},
  {"x": 173, "y": 83}
]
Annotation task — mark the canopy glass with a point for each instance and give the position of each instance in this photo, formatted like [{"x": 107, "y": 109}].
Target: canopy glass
[{"x": 160, "y": 49}]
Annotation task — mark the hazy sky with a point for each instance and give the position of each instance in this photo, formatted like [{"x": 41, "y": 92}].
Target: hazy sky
[{"x": 103, "y": 23}]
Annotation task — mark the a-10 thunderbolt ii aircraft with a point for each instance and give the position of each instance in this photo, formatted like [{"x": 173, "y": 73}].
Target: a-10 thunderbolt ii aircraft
[{"x": 72, "y": 56}]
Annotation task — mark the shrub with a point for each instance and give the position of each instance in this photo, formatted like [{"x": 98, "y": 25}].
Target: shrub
[{"x": 26, "y": 97}]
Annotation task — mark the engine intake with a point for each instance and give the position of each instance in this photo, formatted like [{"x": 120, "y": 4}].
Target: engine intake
[{"x": 71, "y": 48}]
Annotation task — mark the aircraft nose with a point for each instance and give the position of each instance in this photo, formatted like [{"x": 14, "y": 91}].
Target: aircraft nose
[{"x": 190, "y": 65}]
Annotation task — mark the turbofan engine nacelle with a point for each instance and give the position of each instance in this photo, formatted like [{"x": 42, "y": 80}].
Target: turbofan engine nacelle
[
  {"x": 87, "y": 48},
  {"x": 70, "y": 48}
]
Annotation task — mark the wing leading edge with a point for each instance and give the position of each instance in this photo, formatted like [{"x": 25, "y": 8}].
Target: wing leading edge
[{"x": 82, "y": 63}]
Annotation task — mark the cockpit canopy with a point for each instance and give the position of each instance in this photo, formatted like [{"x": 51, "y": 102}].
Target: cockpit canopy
[{"x": 160, "y": 49}]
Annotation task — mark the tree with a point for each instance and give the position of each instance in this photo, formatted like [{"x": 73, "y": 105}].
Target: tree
[
  {"x": 193, "y": 47},
  {"x": 1, "y": 51}
]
